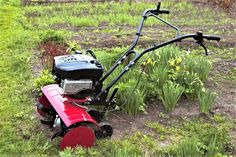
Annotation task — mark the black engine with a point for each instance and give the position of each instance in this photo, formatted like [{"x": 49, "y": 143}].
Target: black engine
[{"x": 78, "y": 74}]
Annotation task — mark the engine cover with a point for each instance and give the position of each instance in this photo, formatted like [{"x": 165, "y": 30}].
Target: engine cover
[{"x": 76, "y": 67}]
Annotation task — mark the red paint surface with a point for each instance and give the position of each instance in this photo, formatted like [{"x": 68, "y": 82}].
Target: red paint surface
[
  {"x": 44, "y": 101},
  {"x": 82, "y": 135},
  {"x": 67, "y": 111}
]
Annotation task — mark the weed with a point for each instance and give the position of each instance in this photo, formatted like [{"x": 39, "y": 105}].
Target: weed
[
  {"x": 170, "y": 94},
  {"x": 159, "y": 77},
  {"x": 17, "y": 42},
  {"x": 219, "y": 118},
  {"x": 120, "y": 148},
  {"x": 190, "y": 147},
  {"x": 206, "y": 99},
  {"x": 51, "y": 35},
  {"x": 199, "y": 65},
  {"x": 167, "y": 55},
  {"x": 131, "y": 104},
  {"x": 44, "y": 79},
  {"x": 159, "y": 128},
  {"x": 191, "y": 82},
  {"x": 72, "y": 46}
]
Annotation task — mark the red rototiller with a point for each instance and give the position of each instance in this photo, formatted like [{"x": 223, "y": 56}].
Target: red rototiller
[{"x": 65, "y": 106}]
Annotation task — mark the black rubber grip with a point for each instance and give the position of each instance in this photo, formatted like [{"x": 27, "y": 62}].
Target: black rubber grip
[
  {"x": 164, "y": 11},
  {"x": 212, "y": 37}
]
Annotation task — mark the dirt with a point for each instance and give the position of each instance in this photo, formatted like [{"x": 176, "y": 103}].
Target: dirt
[
  {"x": 51, "y": 49},
  {"x": 44, "y": 54}
]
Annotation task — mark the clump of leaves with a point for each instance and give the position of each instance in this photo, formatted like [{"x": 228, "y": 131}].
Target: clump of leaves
[
  {"x": 170, "y": 95},
  {"x": 51, "y": 35},
  {"x": 206, "y": 100},
  {"x": 129, "y": 98},
  {"x": 120, "y": 148},
  {"x": 44, "y": 79},
  {"x": 190, "y": 147},
  {"x": 214, "y": 138},
  {"x": 167, "y": 54},
  {"x": 198, "y": 65},
  {"x": 159, "y": 128},
  {"x": 191, "y": 82},
  {"x": 159, "y": 76},
  {"x": 73, "y": 46},
  {"x": 80, "y": 151}
]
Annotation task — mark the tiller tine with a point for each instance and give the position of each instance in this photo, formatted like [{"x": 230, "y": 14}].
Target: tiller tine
[
  {"x": 60, "y": 133},
  {"x": 45, "y": 122}
]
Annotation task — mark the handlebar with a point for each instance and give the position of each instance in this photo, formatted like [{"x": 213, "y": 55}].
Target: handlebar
[
  {"x": 164, "y": 12},
  {"x": 157, "y": 12},
  {"x": 212, "y": 37},
  {"x": 199, "y": 37}
]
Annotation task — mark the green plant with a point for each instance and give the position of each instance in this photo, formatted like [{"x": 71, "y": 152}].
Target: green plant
[
  {"x": 52, "y": 35},
  {"x": 130, "y": 99},
  {"x": 72, "y": 45},
  {"x": 214, "y": 138},
  {"x": 159, "y": 128},
  {"x": 168, "y": 57},
  {"x": 44, "y": 79},
  {"x": 170, "y": 94},
  {"x": 159, "y": 77},
  {"x": 199, "y": 65},
  {"x": 190, "y": 147},
  {"x": 206, "y": 99},
  {"x": 191, "y": 82}
]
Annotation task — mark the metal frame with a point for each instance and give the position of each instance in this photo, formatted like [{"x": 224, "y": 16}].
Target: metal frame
[{"x": 198, "y": 37}]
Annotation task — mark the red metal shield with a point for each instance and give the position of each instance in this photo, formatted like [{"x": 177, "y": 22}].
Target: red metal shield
[
  {"x": 68, "y": 112},
  {"x": 82, "y": 136}
]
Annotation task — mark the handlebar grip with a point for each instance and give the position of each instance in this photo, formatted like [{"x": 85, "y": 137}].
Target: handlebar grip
[
  {"x": 164, "y": 12},
  {"x": 212, "y": 37}
]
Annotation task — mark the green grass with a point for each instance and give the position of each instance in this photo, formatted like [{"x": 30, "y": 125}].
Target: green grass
[
  {"x": 20, "y": 134},
  {"x": 16, "y": 105},
  {"x": 112, "y": 14},
  {"x": 185, "y": 138}
]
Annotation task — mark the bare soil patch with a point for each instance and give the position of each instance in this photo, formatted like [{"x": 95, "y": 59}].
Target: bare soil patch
[
  {"x": 44, "y": 54},
  {"x": 51, "y": 49}
]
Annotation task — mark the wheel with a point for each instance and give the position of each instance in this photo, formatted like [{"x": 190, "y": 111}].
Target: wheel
[
  {"x": 95, "y": 114},
  {"x": 81, "y": 135},
  {"x": 43, "y": 107},
  {"x": 105, "y": 132}
]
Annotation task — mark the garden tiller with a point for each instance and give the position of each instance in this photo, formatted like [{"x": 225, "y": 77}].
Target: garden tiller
[{"x": 66, "y": 105}]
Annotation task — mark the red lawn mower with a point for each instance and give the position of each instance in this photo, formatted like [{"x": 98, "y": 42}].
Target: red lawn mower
[{"x": 66, "y": 105}]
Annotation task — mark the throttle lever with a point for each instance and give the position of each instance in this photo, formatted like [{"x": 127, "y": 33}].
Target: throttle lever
[
  {"x": 204, "y": 47},
  {"x": 199, "y": 39}
]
